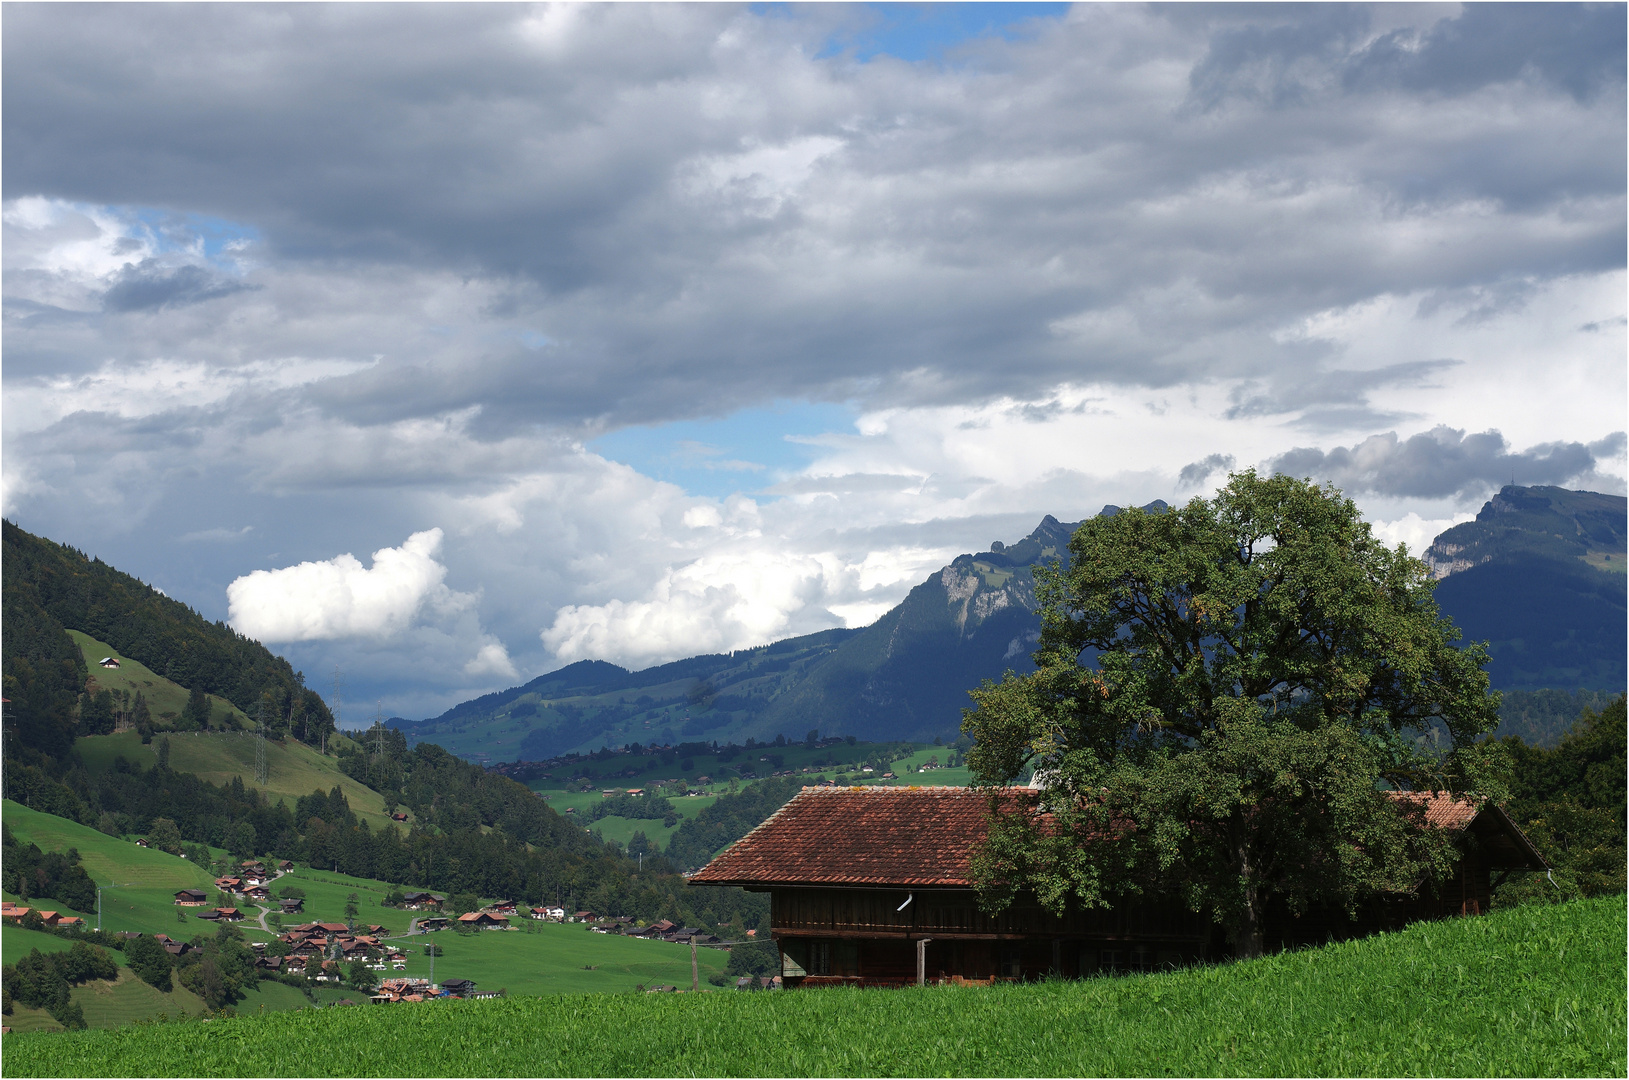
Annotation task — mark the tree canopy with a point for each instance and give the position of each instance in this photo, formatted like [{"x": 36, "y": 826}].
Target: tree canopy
[{"x": 1222, "y": 692}]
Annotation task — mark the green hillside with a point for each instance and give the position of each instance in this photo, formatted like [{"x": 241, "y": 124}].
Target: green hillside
[
  {"x": 164, "y": 698},
  {"x": 50, "y": 588},
  {"x": 292, "y": 768},
  {"x": 1533, "y": 991}
]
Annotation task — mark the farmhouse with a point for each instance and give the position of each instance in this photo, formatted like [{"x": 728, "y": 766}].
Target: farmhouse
[
  {"x": 108, "y": 662},
  {"x": 483, "y": 920},
  {"x": 191, "y": 898},
  {"x": 873, "y": 886},
  {"x": 291, "y": 905}
]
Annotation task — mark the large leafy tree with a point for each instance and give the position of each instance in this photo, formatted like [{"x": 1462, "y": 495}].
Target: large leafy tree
[{"x": 1223, "y": 692}]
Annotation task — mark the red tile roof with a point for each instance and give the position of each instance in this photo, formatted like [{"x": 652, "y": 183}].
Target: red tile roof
[
  {"x": 862, "y": 836},
  {"x": 913, "y": 836},
  {"x": 1441, "y": 809}
]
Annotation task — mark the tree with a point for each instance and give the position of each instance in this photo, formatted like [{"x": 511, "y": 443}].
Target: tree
[
  {"x": 149, "y": 961},
  {"x": 241, "y": 839},
  {"x": 360, "y": 977},
  {"x": 1571, "y": 801},
  {"x": 165, "y": 836},
  {"x": 195, "y": 715},
  {"x": 1221, "y": 692}
]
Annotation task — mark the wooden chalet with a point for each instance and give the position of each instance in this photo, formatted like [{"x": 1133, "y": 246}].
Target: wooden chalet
[
  {"x": 191, "y": 898},
  {"x": 873, "y": 886},
  {"x": 484, "y": 920}
]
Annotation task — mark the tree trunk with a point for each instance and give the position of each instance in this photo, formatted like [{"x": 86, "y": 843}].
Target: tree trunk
[{"x": 1247, "y": 931}]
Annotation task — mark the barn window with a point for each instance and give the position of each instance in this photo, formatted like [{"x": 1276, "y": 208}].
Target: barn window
[{"x": 1010, "y": 965}]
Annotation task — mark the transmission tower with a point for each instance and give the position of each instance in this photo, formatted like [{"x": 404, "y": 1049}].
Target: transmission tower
[{"x": 261, "y": 771}]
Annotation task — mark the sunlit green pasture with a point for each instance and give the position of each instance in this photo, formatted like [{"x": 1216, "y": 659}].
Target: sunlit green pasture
[{"x": 1533, "y": 991}]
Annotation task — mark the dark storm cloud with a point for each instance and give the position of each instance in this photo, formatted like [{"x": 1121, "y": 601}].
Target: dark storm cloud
[
  {"x": 698, "y": 215},
  {"x": 1579, "y": 47},
  {"x": 1444, "y": 462},
  {"x": 149, "y": 285},
  {"x": 1197, "y": 473}
]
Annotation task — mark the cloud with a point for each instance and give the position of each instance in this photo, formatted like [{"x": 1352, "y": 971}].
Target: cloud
[
  {"x": 148, "y": 285},
  {"x": 341, "y": 598},
  {"x": 220, "y": 534},
  {"x": 1441, "y": 462},
  {"x": 714, "y": 604},
  {"x": 330, "y": 279},
  {"x": 492, "y": 659},
  {"x": 1197, "y": 473}
]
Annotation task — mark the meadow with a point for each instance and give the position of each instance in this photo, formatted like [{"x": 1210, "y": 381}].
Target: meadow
[
  {"x": 1530, "y": 991},
  {"x": 292, "y": 768},
  {"x": 563, "y": 792},
  {"x": 537, "y": 958},
  {"x": 164, "y": 698}
]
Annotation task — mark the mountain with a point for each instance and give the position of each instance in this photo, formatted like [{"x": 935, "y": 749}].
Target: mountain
[
  {"x": 905, "y": 677},
  {"x": 1540, "y": 575}
]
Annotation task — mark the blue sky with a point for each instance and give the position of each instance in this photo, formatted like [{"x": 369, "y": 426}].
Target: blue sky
[
  {"x": 931, "y": 31},
  {"x": 746, "y": 451}
]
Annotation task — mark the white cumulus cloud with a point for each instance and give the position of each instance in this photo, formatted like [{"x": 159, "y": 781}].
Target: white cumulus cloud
[
  {"x": 341, "y": 598},
  {"x": 716, "y": 603}
]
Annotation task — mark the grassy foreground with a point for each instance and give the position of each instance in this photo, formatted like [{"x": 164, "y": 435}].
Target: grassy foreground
[{"x": 1534, "y": 991}]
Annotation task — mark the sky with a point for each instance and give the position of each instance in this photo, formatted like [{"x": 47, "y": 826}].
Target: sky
[{"x": 442, "y": 346}]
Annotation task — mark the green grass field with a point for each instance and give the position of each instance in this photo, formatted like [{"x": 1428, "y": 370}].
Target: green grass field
[
  {"x": 293, "y": 769},
  {"x": 164, "y": 698},
  {"x": 1533, "y": 991}
]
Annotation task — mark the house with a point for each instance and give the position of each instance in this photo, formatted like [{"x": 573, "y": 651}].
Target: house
[
  {"x": 108, "y": 662},
  {"x": 191, "y": 898},
  {"x": 257, "y": 893},
  {"x": 398, "y": 816},
  {"x": 484, "y": 920},
  {"x": 291, "y": 905},
  {"x": 582, "y": 916},
  {"x": 229, "y": 884},
  {"x": 229, "y": 914},
  {"x": 141, "y": 841},
  {"x": 458, "y": 987},
  {"x": 655, "y": 929},
  {"x": 873, "y": 886},
  {"x": 549, "y": 914},
  {"x": 284, "y": 866},
  {"x": 501, "y": 907},
  {"x": 433, "y": 923},
  {"x": 418, "y": 901}
]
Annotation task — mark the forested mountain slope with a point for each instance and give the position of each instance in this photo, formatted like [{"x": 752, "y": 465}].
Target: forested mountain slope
[
  {"x": 1540, "y": 575},
  {"x": 50, "y": 588}
]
